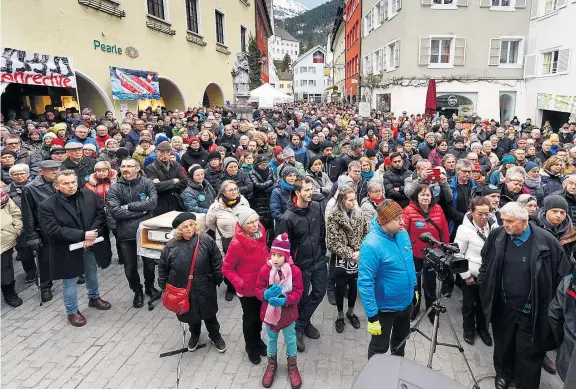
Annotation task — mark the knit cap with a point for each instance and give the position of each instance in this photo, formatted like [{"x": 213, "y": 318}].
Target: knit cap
[
  {"x": 281, "y": 245},
  {"x": 287, "y": 170},
  {"x": 344, "y": 180},
  {"x": 109, "y": 140},
  {"x": 388, "y": 211},
  {"x": 277, "y": 150},
  {"x": 509, "y": 159},
  {"x": 228, "y": 161},
  {"x": 89, "y": 146},
  {"x": 477, "y": 167},
  {"x": 288, "y": 152},
  {"x": 213, "y": 156},
  {"x": 356, "y": 143},
  {"x": 529, "y": 166},
  {"x": 555, "y": 202},
  {"x": 244, "y": 214},
  {"x": 325, "y": 144},
  {"x": 193, "y": 169}
]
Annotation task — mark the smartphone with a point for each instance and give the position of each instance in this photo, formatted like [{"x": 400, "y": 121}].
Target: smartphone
[{"x": 435, "y": 175}]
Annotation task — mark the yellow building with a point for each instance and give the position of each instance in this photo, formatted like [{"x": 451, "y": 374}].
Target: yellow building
[
  {"x": 285, "y": 81},
  {"x": 190, "y": 44}
]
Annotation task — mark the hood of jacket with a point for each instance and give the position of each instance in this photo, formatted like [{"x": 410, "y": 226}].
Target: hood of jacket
[
  {"x": 112, "y": 178},
  {"x": 565, "y": 232}
]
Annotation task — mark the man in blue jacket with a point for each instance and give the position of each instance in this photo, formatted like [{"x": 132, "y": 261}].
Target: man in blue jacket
[{"x": 386, "y": 279}]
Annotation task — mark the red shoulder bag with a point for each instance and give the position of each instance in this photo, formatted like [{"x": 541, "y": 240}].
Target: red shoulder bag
[{"x": 176, "y": 299}]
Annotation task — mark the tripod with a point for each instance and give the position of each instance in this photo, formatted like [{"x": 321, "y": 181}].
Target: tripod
[{"x": 438, "y": 308}]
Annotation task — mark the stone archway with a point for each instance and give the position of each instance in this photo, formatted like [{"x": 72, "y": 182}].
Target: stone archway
[
  {"x": 213, "y": 96},
  {"x": 91, "y": 95},
  {"x": 172, "y": 94}
]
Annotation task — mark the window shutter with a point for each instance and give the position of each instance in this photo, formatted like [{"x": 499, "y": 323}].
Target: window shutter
[
  {"x": 530, "y": 66},
  {"x": 485, "y": 3},
  {"x": 534, "y": 9},
  {"x": 399, "y": 6},
  {"x": 462, "y": 3},
  {"x": 397, "y": 54},
  {"x": 561, "y": 4},
  {"x": 385, "y": 58},
  {"x": 564, "y": 60},
  {"x": 426, "y": 2},
  {"x": 521, "y": 3},
  {"x": 494, "y": 57},
  {"x": 459, "y": 51},
  {"x": 424, "y": 51}
]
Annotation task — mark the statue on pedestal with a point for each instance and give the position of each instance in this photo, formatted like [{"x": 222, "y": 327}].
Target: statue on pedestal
[{"x": 241, "y": 85}]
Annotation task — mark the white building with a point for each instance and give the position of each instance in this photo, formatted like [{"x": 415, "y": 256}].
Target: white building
[
  {"x": 282, "y": 43},
  {"x": 549, "y": 69},
  {"x": 337, "y": 47},
  {"x": 309, "y": 79}
]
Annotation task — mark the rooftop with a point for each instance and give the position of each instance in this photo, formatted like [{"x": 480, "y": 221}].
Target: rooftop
[{"x": 284, "y": 34}]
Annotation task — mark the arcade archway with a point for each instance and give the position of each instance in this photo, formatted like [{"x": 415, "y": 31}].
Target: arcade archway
[
  {"x": 171, "y": 94},
  {"x": 213, "y": 96}
]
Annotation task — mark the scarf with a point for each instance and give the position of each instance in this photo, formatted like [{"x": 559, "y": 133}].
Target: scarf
[
  {"x": 376, "y": 202},
  {"x": 247, "y": 167},
  {"x": 263, "y": 173},
  {"x": 206, "y": 144},
  {"x": 285, "y": 185},
  {"x": 532, "y": 182},
  {"x": 283, "y": 277},
  {"x": 231, "y": 203},
  {"x": 367, "y": 175}
]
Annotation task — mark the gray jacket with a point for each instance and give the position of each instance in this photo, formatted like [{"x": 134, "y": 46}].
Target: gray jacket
[{"x": 412, "y": 182}]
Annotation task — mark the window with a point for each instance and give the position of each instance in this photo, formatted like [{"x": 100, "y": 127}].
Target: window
[
  {"x": 156, "y": 8},
  {"x": 509, "y": 51},
  {"x": 303, "y": 82},
  {"x": 550, "y": 62},
  {"x": 378, "y": 14},
  {"x": 501, "y": 3},
  {"x": 550, "y": 6},
  {"x": 385, "y": 13},
  {"x": 393, "y": 55},
  {"x": 443, "y": 2},
  {"x": 368, "y": 23},
  {"x": 281, "y": 86},
  {"x": 440, "y": 50},
  {"x": 312, "y": 83},
  {"x": 192, "y": 15},
  {"x": 377, "y": 60},
  {"x": 243, "y": 39},
  {"x": 303, "y": 69},
  {"x": 311, "y": 69},
  {"x": 219, "y": 27}
]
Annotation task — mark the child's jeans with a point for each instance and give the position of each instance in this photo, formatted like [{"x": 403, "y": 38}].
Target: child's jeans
[{"x": 289, "y": 333}]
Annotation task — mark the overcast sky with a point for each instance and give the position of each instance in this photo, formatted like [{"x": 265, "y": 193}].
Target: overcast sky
[{"x": 312, "y": 3}]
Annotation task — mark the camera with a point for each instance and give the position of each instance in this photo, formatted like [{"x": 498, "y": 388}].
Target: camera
[{"x": 444, "y": 259}]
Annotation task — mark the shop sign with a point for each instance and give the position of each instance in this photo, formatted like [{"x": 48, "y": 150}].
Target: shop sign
[
  {"x": 23, "y": 67},
  {"x": 114, "y": 49},
  {"x": 563, "y": 103},
  {"x": 452, "y": 100},
  {"x": 130, "y": 84}
]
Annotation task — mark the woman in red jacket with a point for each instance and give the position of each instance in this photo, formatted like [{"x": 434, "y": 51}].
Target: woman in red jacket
[
  {"x": 245, "y": 257},
  {"x": 423, "y": 215}
]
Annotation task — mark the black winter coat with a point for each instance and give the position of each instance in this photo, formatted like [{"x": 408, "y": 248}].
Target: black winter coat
[
  {"x": 213, "y": 177},
  {"x": 571, "y": 199},
  {"x": 306, "y": 232},
  {"x": 551, "y": 183},
  {"x": 141, "y": 198},
  {"x": 174, "y": 268},
  {"x": 332, "y": 167},
  {"x": 64, "y": 221},
  {"x": 233, "y": 141},
  {"x": 394, "y": 178},
  {"x": 562, "y": 315},
  {"x": 83, "y": 169},
  {"x": 32, "y": 195},
  {"x": 263, "y": 183},
  {"x": 168, "y": 192},
  {"x": 242, "y": 181},
  {"x": 192, "y": 157},
  {"x": 548, "y": 265}
]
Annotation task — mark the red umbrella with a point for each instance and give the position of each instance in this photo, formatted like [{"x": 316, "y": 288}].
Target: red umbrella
[{"x": 431, "y": 98}]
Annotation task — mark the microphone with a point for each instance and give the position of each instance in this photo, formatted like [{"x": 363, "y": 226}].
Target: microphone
[{"x": 428, "y": 238}]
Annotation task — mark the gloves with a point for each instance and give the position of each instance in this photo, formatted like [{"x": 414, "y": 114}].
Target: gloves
[
  {"x": 272, "y": 292},
  {"x": 374, "y": 328},
  {"x": 417, "y": 295},
  {"x": 34, "y": 244},
  {"x": 278, "y": 301}
]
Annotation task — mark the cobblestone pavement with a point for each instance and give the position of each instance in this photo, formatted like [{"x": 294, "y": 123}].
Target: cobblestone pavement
[{"x": 119, "y": 348}]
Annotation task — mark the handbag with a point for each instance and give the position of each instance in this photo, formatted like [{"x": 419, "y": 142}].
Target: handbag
[
  {"x": 176, "y": 299},
  {"x": 348, "y": 265}
]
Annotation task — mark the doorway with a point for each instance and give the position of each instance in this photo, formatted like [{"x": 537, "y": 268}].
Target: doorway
[{"x": 556, "y": 118}]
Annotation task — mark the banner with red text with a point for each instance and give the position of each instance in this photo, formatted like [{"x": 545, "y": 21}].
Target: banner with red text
[{"x": 24, "y": 67}]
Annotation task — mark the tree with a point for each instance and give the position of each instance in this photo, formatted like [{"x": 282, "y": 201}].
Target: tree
[
  {"x": 286, "y": 63},
  {"x": 279, "y": 65},
  {"x": 368, "y": 83},
  {"x": 254, "y": 63}
]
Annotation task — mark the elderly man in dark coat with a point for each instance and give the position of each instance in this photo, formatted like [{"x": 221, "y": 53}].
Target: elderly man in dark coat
[
  {"x": 68, "y": 217},
  {"x": 522, "y": 265},
  {"x": 82, "y": 165},
  {"x": 169, "y": 180}
]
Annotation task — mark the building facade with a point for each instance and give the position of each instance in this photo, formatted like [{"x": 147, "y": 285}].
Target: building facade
[
  {"x": 285, "y": 83},
  {"x": 474, "y": 50},
  {"x": 309, "y": 79},
  {"x": 338, "y": 49},
  {"x": 191, "y": 44},
  {"x": 550, "y": 70},
  {"x": 353, "y": 23},
  {"x": 264, "y": 30},
  {"x": 282, "y": 43}
]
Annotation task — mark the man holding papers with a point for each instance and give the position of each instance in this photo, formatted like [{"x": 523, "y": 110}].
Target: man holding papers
[{"x": 67, "y": 217}]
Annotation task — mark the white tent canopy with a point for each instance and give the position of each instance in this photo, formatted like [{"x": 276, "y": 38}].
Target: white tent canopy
[{"x": 267, "y": 96}]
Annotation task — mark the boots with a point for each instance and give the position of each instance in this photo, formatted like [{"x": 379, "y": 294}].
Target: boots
[
  {"x": 293, "y": 373},
  {"x": 10, "y": 296},
  {"x": 270, "y": 372}
]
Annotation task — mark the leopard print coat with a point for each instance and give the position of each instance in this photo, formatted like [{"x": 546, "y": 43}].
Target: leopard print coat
[{"x": 344, "y": 234}]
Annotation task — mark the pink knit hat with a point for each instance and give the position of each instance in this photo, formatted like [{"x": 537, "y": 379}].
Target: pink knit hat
[{"x": 281, "y": 245}]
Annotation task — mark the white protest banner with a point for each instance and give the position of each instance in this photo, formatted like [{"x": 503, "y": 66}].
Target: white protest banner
[{"x": 364, "y": 109}]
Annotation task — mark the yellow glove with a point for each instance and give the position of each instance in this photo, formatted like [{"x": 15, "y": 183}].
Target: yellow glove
[
  {"x": 417, "y": 297},
  {"x": 374, "y": 328}
]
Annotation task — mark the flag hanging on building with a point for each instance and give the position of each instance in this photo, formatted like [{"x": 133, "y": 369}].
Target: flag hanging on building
[{"x": 130, "y": 84}]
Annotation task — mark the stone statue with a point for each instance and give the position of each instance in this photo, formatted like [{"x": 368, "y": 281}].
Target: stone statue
[{"x": 240, "y": 76}]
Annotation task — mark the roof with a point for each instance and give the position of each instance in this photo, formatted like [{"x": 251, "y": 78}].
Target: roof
[
  {"x": 285, "y": 76},
  {"x": 315, "y": 48},
  {"x": 279, "y": 32}
]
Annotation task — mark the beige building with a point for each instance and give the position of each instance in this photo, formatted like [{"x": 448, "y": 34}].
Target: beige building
[
  {"x": 191, "y": 44},
  {"x": 285, "y": 83}
]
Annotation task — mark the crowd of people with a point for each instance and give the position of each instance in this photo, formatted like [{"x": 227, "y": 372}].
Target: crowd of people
[{"x": 300, "y": 202}]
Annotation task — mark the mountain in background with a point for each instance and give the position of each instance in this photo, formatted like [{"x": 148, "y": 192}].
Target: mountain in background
[
  {"x": 288, "y": 9},
  {"x": 313, "y": 26}
]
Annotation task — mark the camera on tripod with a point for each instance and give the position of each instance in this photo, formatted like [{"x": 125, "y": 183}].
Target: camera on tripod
[{"x": 444, "y": 259}]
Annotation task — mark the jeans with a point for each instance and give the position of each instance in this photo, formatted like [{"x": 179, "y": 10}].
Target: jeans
[
  {"x": 69, "y": 286},
  {"x": 129, "y": 253},
  {"x": 395, "y": 327},
  {"x": 251, "y": 322},
  {"x": 314, "y": 280},
  {"x": 7, "y": 274},
  {"x": 343, "y": 279},
  {"x": 426, "y": 276},
  {"x": 472, "y": 314},
  {"x": 289, "y": 333},
  {"x": 212, "y": 326}
]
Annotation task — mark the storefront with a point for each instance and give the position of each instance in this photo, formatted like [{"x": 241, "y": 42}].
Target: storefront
[
  {"x": 462, "y": 104},
  {"x": 558, "y": 109}
]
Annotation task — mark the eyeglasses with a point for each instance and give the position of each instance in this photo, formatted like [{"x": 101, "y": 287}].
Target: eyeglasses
[
  {"x": 232, "y": 190},
  {"x": 12, "y": 143},
  {"x": 465, "y": 172}
]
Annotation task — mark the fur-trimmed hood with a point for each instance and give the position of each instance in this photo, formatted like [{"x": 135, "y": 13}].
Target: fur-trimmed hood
[{"x": 113, "y": 176}]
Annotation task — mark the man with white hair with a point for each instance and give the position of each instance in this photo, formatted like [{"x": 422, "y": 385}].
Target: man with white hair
[{"x": 522, "y": 265}]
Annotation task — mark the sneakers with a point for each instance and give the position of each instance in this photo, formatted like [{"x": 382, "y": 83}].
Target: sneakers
[
  {"x": 353, "y": 320},
  {"x": 293, "y": 373},
  {"x": 469, "y": 336},
  {"x": 253, "y": 355},
  {"x": 30, "y": 276},
  {"x": 270, "y": 373},
  {"x": 219, "y": 344},
  {"x": 339, "y": 325},
  {"x": 485, "y": 337},
  {"x": 312, "y": 332},
  {"x": 193, "y": 342},
  {"x": 300, "y": 346}
]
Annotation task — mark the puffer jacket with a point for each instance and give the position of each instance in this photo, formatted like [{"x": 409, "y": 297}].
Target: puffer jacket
[
  {"x": 263, "y": 183},
  {"x": 471, "y": 239},
  {"x": 244, "y": 259},
  {"x": 192, "y": 157},
  {"x": 562, "y": 317},
  {"x": 301, "y": 155},
  {"x": 222, "y": 219},
  {"x": 386, "y": 274},
  {"x": 213, "y": 177},
  {"x": 290, "y": 309},
  {"x": 174, "y": 268},
  {"x": 394, "y": 178},
  {"x": 198, "y": 197},
  {"x": 279, "y": 202},
  {"x": 550, "y": 182},
  {"x": 344, "y": 233},
  {"x": 242, "y": 181},
  {"x": 141, "y": 198},
  {"x": 11, "y": 223},
  {"x": 416, "y": 222},
  {"x": 101, "y": 187}
]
